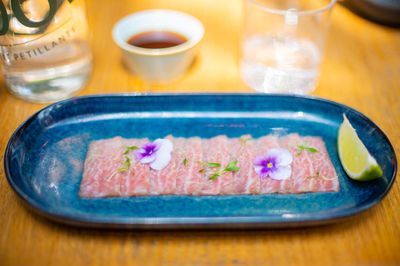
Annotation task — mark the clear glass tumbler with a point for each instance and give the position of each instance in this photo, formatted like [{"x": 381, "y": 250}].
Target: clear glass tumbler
[
  {"x": 282, "y": 44},
  {"x": 45, "y": 51}
]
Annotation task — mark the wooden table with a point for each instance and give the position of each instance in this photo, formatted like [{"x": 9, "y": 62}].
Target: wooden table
[{"x": 361, "y": 69}]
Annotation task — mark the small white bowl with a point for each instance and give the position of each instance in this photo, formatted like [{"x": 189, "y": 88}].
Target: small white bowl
[{"x": 158, "y": 65}]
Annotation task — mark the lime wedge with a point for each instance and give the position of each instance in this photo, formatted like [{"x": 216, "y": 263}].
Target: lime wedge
[{"x": 354, "y": 156}]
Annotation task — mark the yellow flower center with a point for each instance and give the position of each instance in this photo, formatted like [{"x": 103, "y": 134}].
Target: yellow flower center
[{"x": 269, "y": 165}]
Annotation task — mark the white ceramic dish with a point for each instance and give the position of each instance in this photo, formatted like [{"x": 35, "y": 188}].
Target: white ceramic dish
[{"x": 158, "y": 65}]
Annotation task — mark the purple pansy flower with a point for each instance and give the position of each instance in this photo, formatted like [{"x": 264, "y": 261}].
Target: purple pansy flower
[
  {"x": 157, "y": 154},
  {"x": 275, "y": 164}
]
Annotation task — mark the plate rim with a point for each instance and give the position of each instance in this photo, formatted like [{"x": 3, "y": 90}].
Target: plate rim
[{"x": 304, "y": 218}]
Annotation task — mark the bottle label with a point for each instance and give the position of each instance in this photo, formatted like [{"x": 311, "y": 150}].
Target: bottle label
[
  {"x": 26, "y": 21},
  {"x": 37, "y": 30}
]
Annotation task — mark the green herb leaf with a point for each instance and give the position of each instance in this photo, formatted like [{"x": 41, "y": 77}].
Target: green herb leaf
[
  {"x": 317, "y": 175},
  {"x": 311, "y": 149},
  {"x": 214, "y": 176},
  {"x": 205, "y": 164},
  {"x": 244, "y": 140},
  {"x": 185, "y": 159},
  {"x": 303, "y": 147},
  {"x": 124, "y": 167},
  {"x": 130, "y": 148},
  {"x": 231, "y": 167},
  {"x": 210, "y": 164},
  {"x": 325, "y": 178}
]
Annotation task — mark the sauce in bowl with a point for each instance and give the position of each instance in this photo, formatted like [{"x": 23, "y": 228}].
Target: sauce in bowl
[{"x": 157, "y": 39}]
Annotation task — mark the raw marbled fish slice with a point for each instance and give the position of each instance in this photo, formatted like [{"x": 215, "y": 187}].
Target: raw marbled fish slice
[
  {"x": 226, "y": 184},
  {"x": 179, "y": 154},
  {"x": 90, "y": 182},
  {"x": 136, "y": 181},
  {"x": 192, "y": 179},
  {"x": 245, "y": 179},
  {"x": 163, "y": 182},
  {"x": 215, "y": 150},
  {"x": 302, "y": 167},
  {"x": 263, "y": 144},
  {"x": 323, "y": 167},
  {"x": 101, "y": 179}
]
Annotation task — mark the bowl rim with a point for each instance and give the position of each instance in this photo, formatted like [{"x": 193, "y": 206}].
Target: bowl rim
[{"x": 191, "y": 42}]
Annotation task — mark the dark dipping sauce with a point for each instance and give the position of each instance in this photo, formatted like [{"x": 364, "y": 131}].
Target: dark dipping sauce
[{"x": 157, "y": 39}]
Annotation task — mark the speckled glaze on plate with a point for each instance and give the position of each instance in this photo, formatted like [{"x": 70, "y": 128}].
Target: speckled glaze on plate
[{"x": 44, "y": 159}]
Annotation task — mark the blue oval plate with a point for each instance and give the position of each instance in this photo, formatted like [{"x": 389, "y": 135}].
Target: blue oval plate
[{"x": 44, "y": 159}]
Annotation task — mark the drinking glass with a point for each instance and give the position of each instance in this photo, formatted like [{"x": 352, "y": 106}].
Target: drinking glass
[
  {"x": 282, "y": 44},
  {"x": 45, "y": 50}
]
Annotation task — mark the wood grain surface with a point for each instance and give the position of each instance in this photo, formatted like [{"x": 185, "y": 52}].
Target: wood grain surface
[{"x": 361, "y": 69}]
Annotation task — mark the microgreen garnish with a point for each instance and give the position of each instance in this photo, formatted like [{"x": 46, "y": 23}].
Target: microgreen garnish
[
  {"x": 244, "y": 140},
  {"x": 214, "y": 176},
  {"x": 129, "y": 148},
  {"x": 124, "y": 167},
  {"x": 230, "y": 167},
  {"x": 185, "y": 159},
  {"x": 301, "y": 148},
  {"x": 127, "y": 164},
  {"x": 317, "y": 175},
  {"x": 205, "y": 164},
  {"x": 210, "y": 164}
]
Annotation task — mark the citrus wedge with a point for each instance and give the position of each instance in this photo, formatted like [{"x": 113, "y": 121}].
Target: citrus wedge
[{"x": 354, "y": 156}]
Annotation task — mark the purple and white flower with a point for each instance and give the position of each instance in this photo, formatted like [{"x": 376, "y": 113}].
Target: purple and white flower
[
  {"x": 275, "y": 164},
  {"x": 157, "y": 153}
]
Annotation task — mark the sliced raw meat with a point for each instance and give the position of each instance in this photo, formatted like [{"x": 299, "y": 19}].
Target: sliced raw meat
[
  {"x": 324, "y": 177},
  {"x": 101, "y": 179},
  {"x": 181, "y": 171},
  {"x": 105, "y": 173},
  {"x": 215, "y": 150},
  {"x": 189, "y": 180},
  {"x": 136, "y": 180},
  {"x": 246, "y": 180},
  {"x": 263, "y": 144},
  {"x": 302, "y": 167},
  {"x": 163, "y": 182}
]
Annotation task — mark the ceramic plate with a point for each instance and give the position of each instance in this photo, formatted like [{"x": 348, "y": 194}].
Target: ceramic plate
[{"x": 44, "y": 159}]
